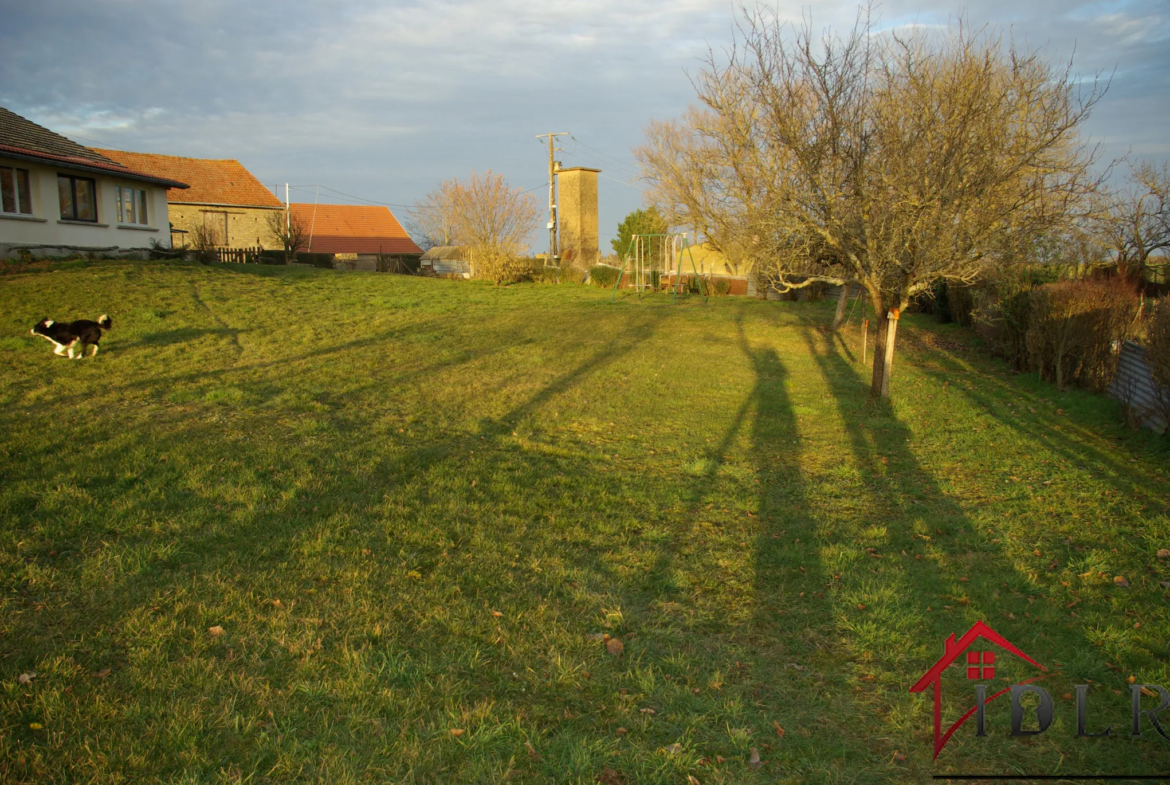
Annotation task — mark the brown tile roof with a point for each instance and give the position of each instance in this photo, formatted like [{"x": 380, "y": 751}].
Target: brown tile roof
[
  {"x": 23, "y": 138},
  {"x": 212, "y": 181},
  {"x": 347, "y": 228}
]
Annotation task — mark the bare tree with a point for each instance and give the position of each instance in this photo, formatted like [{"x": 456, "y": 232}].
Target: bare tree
[
  {"x": 290, "y": 231},
  {"x": 891, "y": 162},
  {"x": 1136, "y": 220},
  {"x": 485, "y": 215}
]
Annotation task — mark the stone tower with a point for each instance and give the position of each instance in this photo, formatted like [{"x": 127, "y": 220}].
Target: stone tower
[{"x": 577, "y": 216}]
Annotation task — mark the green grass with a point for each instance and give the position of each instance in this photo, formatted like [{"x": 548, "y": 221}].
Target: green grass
[{"x": 412, "y": 505}]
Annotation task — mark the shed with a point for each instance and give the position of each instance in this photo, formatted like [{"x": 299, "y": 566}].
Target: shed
[
  {"x": 447, "y": 260},
  {"x": 1135, "y": 387}
]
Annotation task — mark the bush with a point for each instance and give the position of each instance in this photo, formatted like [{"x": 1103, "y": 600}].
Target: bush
[
  {"x": 721, "y": 287},
  {"x": 1076, "y": 328},
  {"x": 960, "y": 303},
  {"x": 603, "y": 275},
  {"x": 500, "y": 265},
  {"x": 1003, "y": 307}
]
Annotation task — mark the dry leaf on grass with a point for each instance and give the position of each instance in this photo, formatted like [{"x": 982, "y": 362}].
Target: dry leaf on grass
[
  {"x": 457, "y": 732},
  {"x": 621, "y": 731},
  {"x": 26, "y": 678},
  {"x": 1148, "y": 692},
  {"x": 754, "y": 760},
  {"x": 898, "y": 756},
  {"x": 646, "y": 711},
  {"x": 674, "y": 749},
  {"x": 779, "y": 731},
  {"x": 1120, "y": 580},
  {"x": 691, "y": 780},
  {"x": 532, "y": 753},
  {"x": 1163, "y": 553},
  {"x": 615, "y": 647},
  {"x": 215, "y": 631},
  {"x": 497, "y": 614},
  {"x": 104, "y": 672}
]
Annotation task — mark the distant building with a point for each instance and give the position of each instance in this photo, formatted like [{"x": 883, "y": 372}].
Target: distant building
[
  {"x": 577, "y": 216},
  {"x": 360, "y": 237},
  {"x": 224, "y": 198},
  {"x": 446, "y": 260},
  {"x": 57, "y": 196}
]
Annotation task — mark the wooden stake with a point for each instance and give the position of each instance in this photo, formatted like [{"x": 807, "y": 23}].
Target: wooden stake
[{"x": 864, "y": 338}]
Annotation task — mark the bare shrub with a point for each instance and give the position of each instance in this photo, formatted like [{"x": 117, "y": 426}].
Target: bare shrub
[
  {"x": 1076, "y": 329},
  {"x": 204, "y": 241}
]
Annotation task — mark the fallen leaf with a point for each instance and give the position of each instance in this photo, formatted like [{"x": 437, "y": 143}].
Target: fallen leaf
[
  {"x": 497, "y": 614},
  {"x": 1036, "y": 552},
  {"x": 1163, "y": 553},
  {"x": 414, "y": 574},
  {"x": 1067, "y": 696},
  {"x": 1131, "y": 680},
  {"x": 456, "y": 732},
  {"x": 754, "y": 758},
  {"x": 104, "y": 672},
  {"x": 898, "y": 756},
  {"x": 610, "y": 777},
  {"x": 26, "y": 678},
  {"x": 692, "y": 781},
  {"x": 779, "y": 731},
  {"x": 596, "y": 636},
  {"x": 720, "y": 759},
  {"x": 35, "y": 726},
  {"x": 1148, "y": 692},
  {"x": 615, "y": 647},
  {"x": 215, "y": 631},
  {"x": 621, "y": 731},
  {"x": 674, "y": 749},
  {"x": 1120, "y": 580},
  {"x": 277, "y": 604},
  {"x": 532, "y": 753},
  {"x": 646, "y": 711}
]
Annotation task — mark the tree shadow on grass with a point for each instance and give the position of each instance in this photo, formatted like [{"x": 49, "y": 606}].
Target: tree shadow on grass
[{"x": 910, "y": 566}]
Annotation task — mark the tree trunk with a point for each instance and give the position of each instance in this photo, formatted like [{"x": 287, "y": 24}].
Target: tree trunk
[
  {"x": 842, "y": 301},
  {"x": 879, "y": 351}
]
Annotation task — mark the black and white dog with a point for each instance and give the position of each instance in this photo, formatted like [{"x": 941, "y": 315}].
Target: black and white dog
[{"x": 67, "y": 335}]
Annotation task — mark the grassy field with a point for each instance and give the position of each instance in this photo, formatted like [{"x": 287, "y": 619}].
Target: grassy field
[{"x": 411, "y": 508}]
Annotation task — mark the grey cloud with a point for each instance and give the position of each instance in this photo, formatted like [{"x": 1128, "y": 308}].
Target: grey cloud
[{"x": 385, "y": 100}]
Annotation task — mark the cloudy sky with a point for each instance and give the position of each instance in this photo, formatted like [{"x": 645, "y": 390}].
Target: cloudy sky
[{"x": 381, "y": 101}]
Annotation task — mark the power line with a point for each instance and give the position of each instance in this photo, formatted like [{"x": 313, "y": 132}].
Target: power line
[{"x": 606, "y": 155}]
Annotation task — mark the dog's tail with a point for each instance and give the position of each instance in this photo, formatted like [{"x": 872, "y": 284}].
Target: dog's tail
[{"x": 105, "y": 322}]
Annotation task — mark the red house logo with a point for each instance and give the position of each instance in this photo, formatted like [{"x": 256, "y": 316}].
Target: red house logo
[{"x": 980, "y": 666}]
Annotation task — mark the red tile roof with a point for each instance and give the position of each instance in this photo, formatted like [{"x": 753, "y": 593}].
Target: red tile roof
[
  {"x": 212, "y": 181},
  {"x": 347, "y": 228}
]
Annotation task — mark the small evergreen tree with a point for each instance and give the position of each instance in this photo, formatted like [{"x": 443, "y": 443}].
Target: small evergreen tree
[{"x": 648, "y": 221}]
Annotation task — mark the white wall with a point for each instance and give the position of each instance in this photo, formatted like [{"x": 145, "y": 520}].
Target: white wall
[{"x": 46, "y": 227}]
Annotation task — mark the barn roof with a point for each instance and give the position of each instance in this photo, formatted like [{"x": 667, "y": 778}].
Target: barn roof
[
  {"x": 350, "y": 228},
  {"x": 213, "y": 181}
]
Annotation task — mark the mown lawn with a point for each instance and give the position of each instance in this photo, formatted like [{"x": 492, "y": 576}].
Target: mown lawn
[{"x": 414, "y": 506}]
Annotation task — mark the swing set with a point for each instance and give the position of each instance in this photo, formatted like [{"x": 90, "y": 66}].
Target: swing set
[{"x": 653, "y": 257}]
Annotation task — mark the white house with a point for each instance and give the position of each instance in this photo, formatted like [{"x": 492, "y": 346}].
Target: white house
[{"x": 57, "y": 196}]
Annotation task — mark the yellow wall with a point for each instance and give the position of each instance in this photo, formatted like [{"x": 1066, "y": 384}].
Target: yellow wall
[
  {"x": 577, "y": 216},
  {"x": 245, "y": 225}
]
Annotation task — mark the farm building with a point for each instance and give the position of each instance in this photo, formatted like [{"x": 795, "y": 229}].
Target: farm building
[
  {"x": 446, "y": 260},
  {"x": 360, "y": 237},
  {"x": 224, "y": 199},
  {"x": 58, "y": 196}
]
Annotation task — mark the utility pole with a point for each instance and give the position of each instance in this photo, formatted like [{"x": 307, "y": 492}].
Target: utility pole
[{"x": 552, "y": 198}]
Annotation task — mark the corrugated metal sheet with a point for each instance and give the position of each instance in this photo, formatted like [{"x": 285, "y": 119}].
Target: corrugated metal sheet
[{"x": 1134, "y": 386}]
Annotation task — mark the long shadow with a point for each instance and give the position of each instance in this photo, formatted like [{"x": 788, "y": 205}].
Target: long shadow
[
  {"x": 911, "y": 567},
  {"x": 1071, "y": 441}
]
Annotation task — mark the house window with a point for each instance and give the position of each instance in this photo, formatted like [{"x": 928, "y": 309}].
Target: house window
[
  {"x": 78, "y": 198},
  {"x": 131, "y": 205},
  {"x": 15, "y": 191}
]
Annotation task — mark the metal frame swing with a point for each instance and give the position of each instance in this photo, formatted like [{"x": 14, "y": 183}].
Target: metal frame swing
[{"x": 640, "y": 254}]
